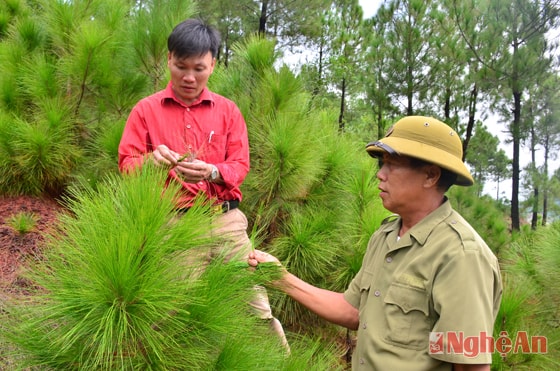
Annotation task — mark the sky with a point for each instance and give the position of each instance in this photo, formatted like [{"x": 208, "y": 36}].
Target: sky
[{"x": 370, "y": 7}]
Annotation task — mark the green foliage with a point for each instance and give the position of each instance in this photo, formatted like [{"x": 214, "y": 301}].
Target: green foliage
[
  {"x": 104, "y": 275},
  {"x": 516, "y": 312},
  {"x": 101, "y": 154},
  {"x": 306, "y": 249},
  {"x": 531, "y": 301},
  {"x": 362, "y": 214},
  {"x": 37, "y": 157},
  {"x": 114, "y": 291},
  {"x": 23, "y": 222}
]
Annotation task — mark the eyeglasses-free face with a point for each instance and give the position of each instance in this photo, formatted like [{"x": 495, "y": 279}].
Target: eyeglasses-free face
[{"x": 189, "y": 76}]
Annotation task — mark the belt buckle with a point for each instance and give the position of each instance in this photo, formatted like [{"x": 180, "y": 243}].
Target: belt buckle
[
  {"x": 225, "y": 206},
  {"x": 222, "y": 207}
]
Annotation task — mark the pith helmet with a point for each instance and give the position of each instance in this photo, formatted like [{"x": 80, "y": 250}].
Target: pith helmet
[{"x": 427, "y": 139}]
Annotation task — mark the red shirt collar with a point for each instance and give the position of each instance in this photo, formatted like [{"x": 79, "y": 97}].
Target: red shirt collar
[{"x": 205, "y": 96}]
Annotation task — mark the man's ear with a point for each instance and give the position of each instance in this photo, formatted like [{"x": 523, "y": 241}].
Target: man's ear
[
  {"x": 433, "y": 173},
  {"x": 213, "y": 65}
]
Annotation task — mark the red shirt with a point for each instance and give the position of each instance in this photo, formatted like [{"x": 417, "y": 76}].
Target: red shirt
[{"x": 212, "y": 129}]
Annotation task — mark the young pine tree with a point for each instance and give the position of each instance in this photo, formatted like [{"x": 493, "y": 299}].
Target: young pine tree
[{"x": 113, "y": 292}]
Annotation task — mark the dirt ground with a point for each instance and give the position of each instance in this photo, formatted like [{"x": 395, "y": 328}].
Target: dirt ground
[{"x": 16, "y": 249}]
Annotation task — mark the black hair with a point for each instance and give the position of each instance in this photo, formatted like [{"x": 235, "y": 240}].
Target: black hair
[{"x": 193, "y": 37}]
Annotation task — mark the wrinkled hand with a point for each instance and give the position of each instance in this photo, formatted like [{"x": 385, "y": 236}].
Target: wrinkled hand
[
  {"x": 258, "y": 256},
  {"x": 275, "y": 272}
]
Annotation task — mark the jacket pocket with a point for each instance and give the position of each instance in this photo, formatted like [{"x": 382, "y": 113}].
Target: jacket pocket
[{"x": 407, "y": 316}]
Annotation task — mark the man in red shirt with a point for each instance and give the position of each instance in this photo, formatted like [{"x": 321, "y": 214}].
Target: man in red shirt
[{"x": 201, "y": 136}]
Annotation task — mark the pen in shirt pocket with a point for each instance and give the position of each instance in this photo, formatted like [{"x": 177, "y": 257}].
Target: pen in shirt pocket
[{"x": 210, "y": 136}]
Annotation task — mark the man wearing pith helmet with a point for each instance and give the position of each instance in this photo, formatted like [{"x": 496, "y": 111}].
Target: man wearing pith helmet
[{"x": 429, "y": 287}]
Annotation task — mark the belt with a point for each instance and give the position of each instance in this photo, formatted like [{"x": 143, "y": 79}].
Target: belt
[
  {"x": 226, "y": 206},
  {"x": 223, "y": 207}
]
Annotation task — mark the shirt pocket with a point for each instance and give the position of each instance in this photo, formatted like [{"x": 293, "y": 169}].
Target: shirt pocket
[
  {"x": 214, "y": 148},
  {"x": 407, "y": 316}
]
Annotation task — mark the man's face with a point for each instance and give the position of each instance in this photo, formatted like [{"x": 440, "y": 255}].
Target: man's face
[
  {"x": 189, "y": 76},
  {"x": 400, "y": 184}
]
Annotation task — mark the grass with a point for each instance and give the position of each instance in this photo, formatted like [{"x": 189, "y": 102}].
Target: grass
[{"x": 23, "y": 222}]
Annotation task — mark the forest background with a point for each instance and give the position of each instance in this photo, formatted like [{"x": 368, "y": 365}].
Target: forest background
[{"x": 72, "y": 70}]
